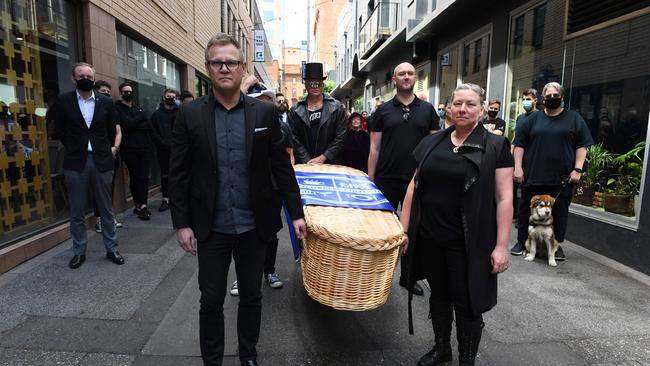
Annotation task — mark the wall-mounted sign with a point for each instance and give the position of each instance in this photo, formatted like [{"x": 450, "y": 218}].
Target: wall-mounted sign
[
  {"x": 444, "y": 60},
  {"x": 259, "y": 45}
]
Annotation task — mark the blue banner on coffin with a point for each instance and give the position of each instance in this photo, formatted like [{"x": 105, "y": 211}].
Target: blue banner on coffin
[{"x": 339, "y": 190}]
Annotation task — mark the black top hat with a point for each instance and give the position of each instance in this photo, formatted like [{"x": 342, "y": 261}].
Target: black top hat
[{"x": 313, "y": 70}]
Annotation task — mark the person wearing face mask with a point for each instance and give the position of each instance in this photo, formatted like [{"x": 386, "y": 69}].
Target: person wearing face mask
[
  {"x": 529, "y": 104},
  {"x": 493, "y": 123},
  {"x": 84, "y": 122},
  {"x": 104, "y": 88},
  {"x": 550, "y": 148},
  {"x": 444, "y": 115},
  {"x": 136, "y": 144},
  {"x": 162, "y": 122}
]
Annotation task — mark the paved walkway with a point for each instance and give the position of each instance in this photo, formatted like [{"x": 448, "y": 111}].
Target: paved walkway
[{"x": 587, "y": 311}]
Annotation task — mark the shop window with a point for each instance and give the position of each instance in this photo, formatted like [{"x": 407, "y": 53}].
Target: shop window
[
  {"x": 607, "y": 82},
  {"x": 35, "y": 63},
  {"x": 539, "y": 19}
]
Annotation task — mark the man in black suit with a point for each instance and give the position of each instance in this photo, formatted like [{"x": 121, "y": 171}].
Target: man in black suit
[
  {"x": 226, "y": 152},
  {"x": 85, "y": 124}
]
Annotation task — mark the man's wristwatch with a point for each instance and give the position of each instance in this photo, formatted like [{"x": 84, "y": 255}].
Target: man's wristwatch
[{"x": 577, "y": 170}]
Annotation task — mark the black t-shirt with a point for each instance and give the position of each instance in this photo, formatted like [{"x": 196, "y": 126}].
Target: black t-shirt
[
  {"x": 441, "y": 188},
  {"x": 314, "y": 124},
  {"x": 498, "y": 123},
  {"x": 550, "y": 145},
  {"x": 400, "y": 136}
]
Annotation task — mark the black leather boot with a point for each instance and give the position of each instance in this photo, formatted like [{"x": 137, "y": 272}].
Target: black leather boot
[
  {"x": 441, "y": 318},
  {"x": 468, "y": 334}
]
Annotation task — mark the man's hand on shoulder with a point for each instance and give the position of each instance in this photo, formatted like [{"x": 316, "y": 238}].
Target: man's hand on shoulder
[{"x": 186, "y": 240}]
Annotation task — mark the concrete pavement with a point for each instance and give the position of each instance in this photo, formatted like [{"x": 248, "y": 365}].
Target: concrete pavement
[{"x": 587, "y": 311}]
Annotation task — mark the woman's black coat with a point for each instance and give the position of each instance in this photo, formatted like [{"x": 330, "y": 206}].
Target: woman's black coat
[{"x": 478, "y": 212}]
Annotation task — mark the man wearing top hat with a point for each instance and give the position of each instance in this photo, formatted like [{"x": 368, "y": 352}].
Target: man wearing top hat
[{"x": 318, "y": 122}]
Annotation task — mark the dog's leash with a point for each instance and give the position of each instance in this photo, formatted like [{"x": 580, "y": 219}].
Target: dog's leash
[{"x": 565, "y": 181}]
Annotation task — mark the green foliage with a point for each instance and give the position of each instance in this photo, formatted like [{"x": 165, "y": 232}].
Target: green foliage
[
  {"x": 328, "y": 86},
  {"x": 596, "y": 165},
  {"x": 358, "y": 104},
  {"x": 626, "y": 172}
]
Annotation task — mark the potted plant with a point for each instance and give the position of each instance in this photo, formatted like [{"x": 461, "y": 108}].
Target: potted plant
[
  {"x": 625, "y": 181},
  {"x": 596, "y": 164}
]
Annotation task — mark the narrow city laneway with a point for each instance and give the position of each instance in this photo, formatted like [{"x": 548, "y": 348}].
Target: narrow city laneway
[{"x": 587, "y": 311}]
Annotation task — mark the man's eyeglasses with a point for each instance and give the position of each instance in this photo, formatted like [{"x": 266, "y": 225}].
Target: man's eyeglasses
[
  {"x": 552, "y": 96},
  {"x": 127, "y": 92},
  {"x": 314, "y": 84},
  {"x": 406, "y": 114},
  {"x": 218, "y": 65}
]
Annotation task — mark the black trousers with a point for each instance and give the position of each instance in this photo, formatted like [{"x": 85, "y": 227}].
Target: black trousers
[
  {"x": 394, "y": 191},
  {"x": 214, "y": 254},
  {"x": 560, "y": 209},
  {"x": 138, "y": 164},
  {"x": 163, "y": 162},
  {"x": 271, "y": 253},
  {"x": 116, "y": 167},
  {"x": 445, "y": 267}
]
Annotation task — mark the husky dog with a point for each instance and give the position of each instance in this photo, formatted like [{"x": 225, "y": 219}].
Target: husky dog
[{"x": 540, "y": 229}]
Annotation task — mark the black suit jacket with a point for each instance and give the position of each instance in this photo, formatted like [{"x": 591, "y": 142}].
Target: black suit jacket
[
  {"x": 71, "y": 129},
  {"x": 193, "y": 168}
]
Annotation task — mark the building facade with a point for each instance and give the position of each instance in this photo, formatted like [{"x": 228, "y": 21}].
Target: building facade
[
  {"x": 598, "y": 51},
  {"x": 292, "y": 85},
  {"x": 325, "y": 20},
  {"x": 42, "y": 39}
]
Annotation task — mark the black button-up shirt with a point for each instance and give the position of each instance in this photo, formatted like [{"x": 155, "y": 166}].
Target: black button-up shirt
[{"x": 234, "y": 210}]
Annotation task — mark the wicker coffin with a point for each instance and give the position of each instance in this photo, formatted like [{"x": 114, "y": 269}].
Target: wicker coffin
[{"x": 349, "y": 256}]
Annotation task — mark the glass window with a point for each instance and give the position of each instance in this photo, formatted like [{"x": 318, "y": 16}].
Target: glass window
[
  {"x": 466, "y": 60},
  {"x": 201, "y": 85},
  {"x": 477, "y": 55},
  {"x": 539, "y": 19},
  {"x": 151, "y": 73},
  {"x": 518, "y": 36},
  {"x": 448, "y": 73},
  {"x": 606, "y": 81},
  {"x": 35, "y": 64}
]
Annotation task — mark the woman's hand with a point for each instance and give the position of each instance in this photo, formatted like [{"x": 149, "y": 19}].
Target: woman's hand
[
  {"x": 500, "y": 259},
  {"x": 405, "y": 243}
]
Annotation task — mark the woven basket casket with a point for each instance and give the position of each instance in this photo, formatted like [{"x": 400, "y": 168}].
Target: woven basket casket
[{"x": 349, "y": 256}]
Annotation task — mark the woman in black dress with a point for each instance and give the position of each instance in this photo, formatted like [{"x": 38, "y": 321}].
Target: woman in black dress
[
  {"x": 357, "y": 143},
  {"x": 457, "y": 213}
]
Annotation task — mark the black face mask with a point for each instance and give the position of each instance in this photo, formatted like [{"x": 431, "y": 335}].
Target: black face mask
[
  {"x": 170, "y": 101},
  {"x": 552, "y": 103},
  {"x": 127, "y": 97},
  {"x": 106, "y": 94},
  {"x": 492, "y": 113},
  {"x": 85, "y": 84}
]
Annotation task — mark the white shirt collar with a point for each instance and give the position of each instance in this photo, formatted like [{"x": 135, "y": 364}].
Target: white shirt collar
[{"x": 79, "y": 97}]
